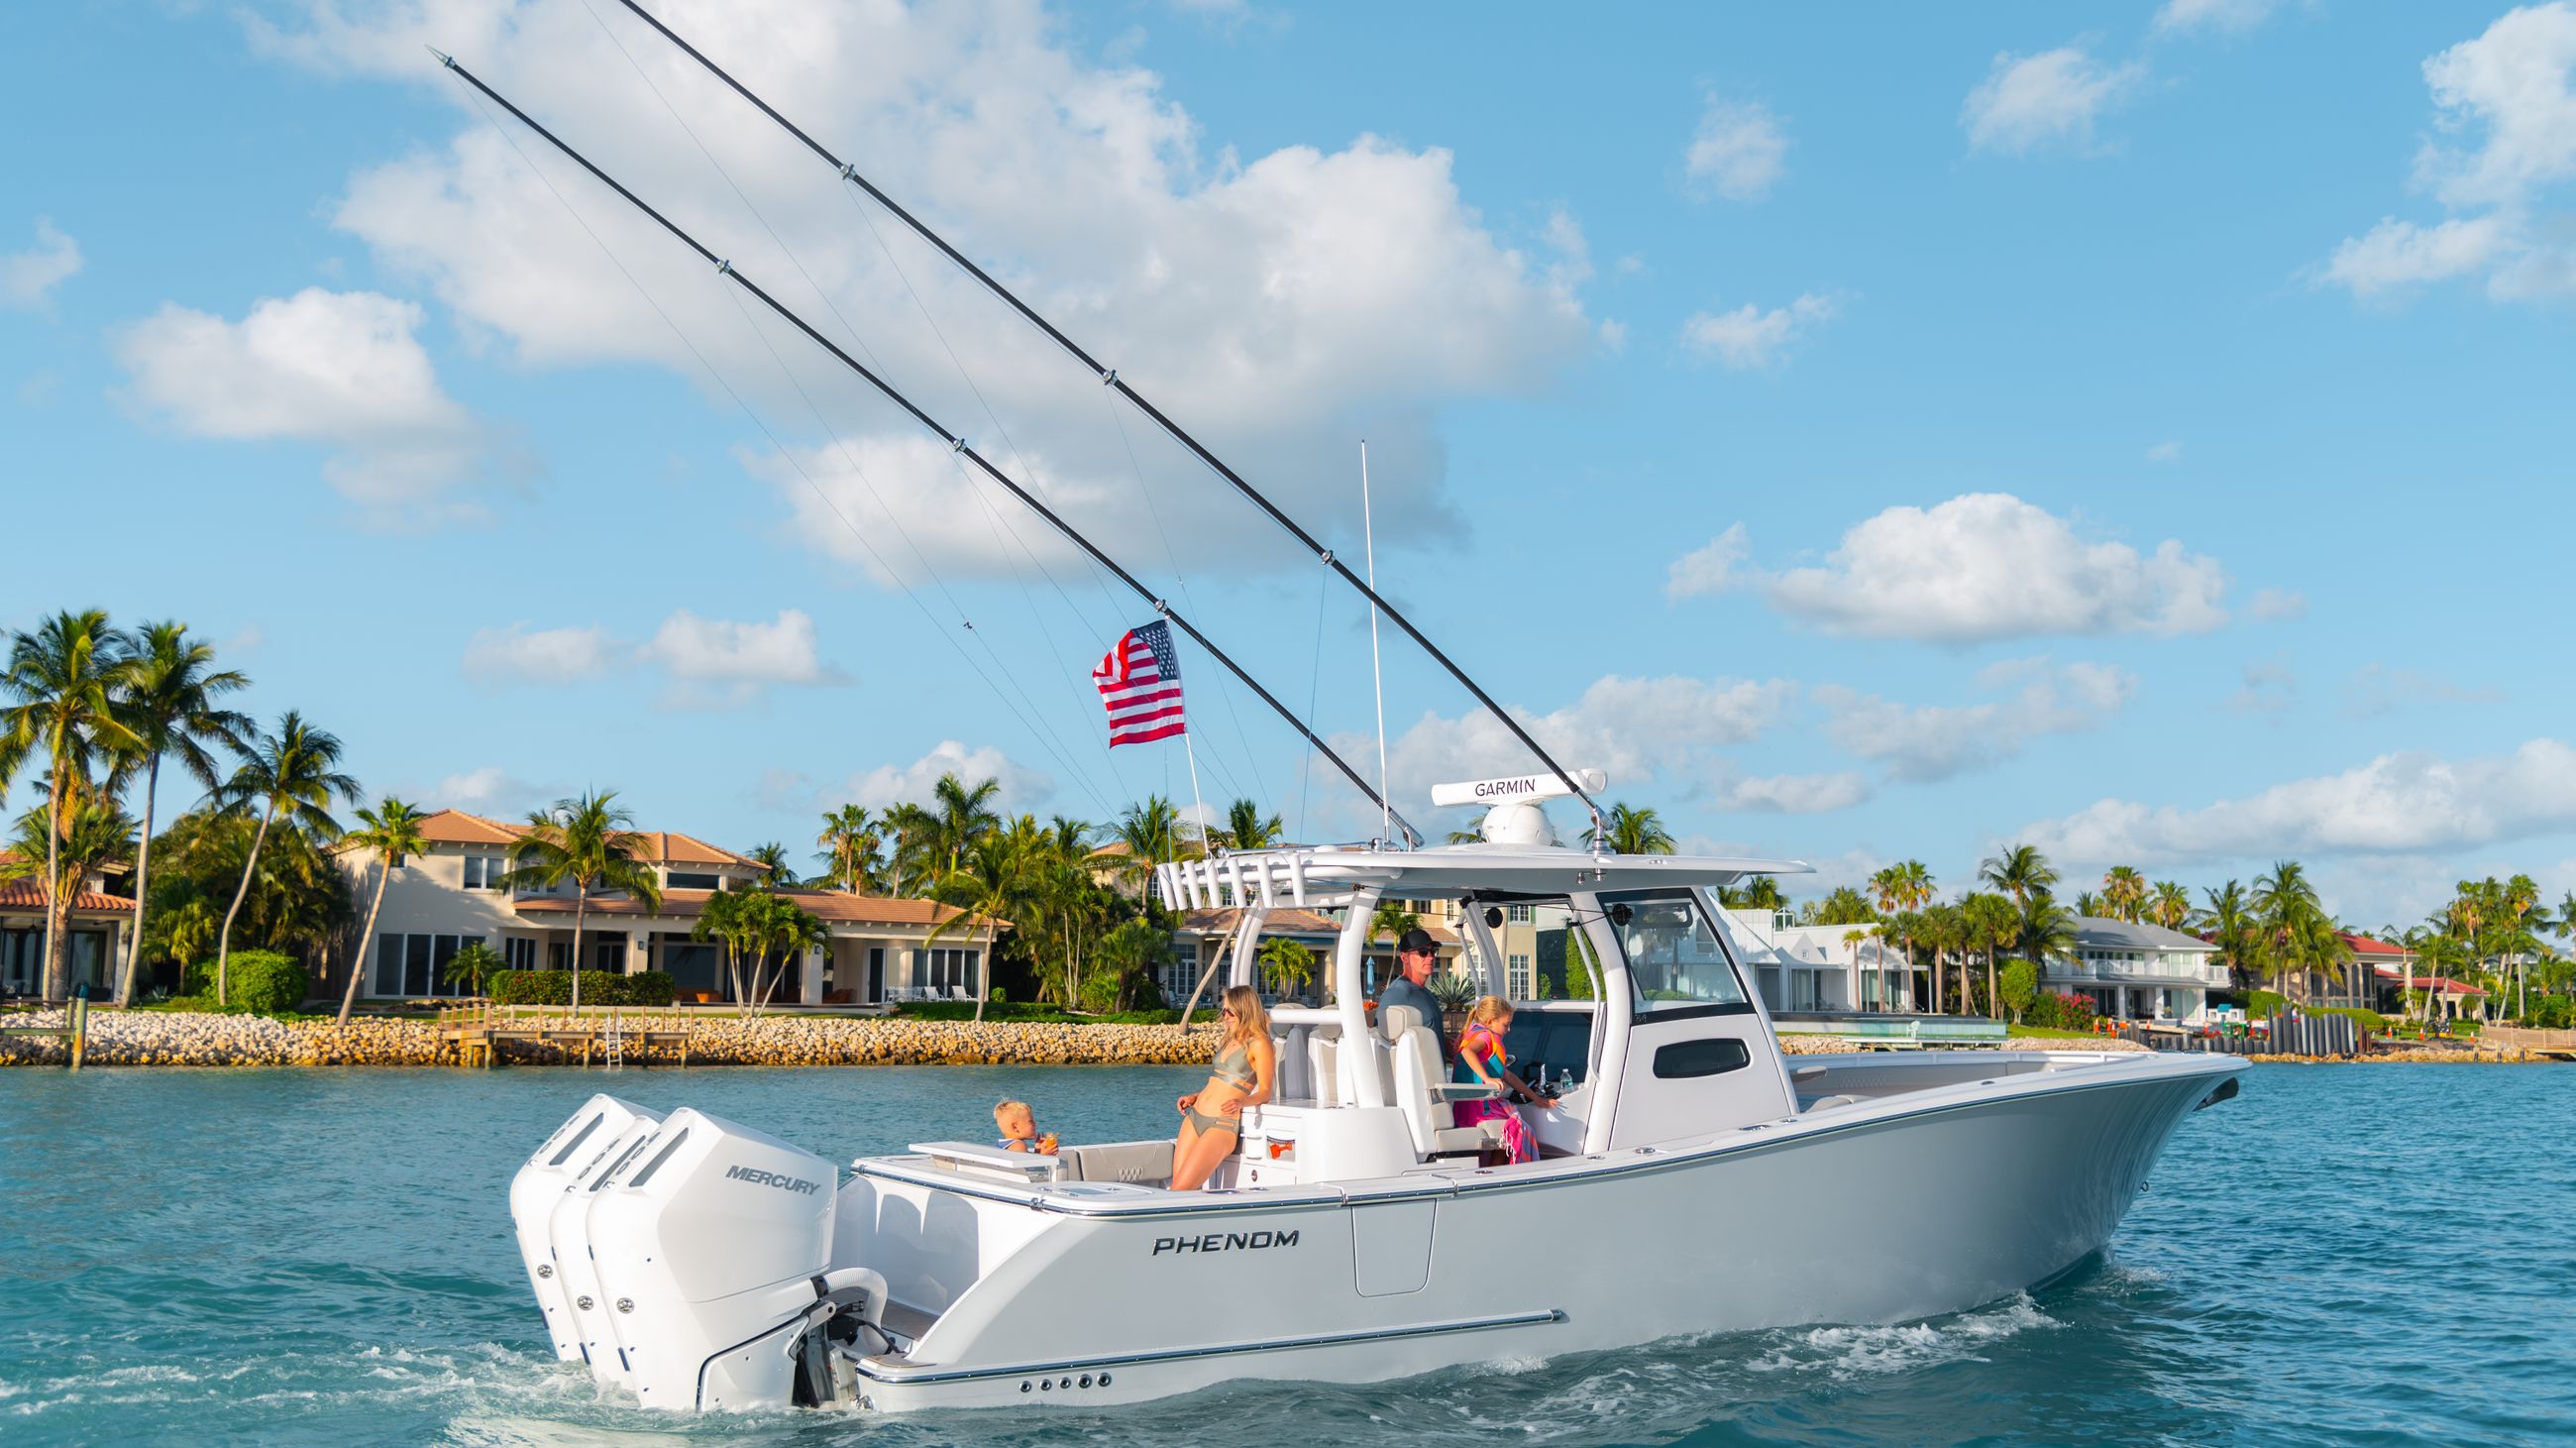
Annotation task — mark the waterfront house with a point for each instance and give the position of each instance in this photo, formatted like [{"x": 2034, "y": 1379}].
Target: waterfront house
[
  {"x": 441, "y": 901},
  {"x": 2132, "y": 970},
  {"x": 1821, "y": 969},
  {"x": 100, "y": 927},
  {"x": 2379, "y": 969}
]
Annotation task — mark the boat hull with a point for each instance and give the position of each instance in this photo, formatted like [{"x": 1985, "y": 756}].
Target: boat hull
[{"x": 1869, "y": 1212}]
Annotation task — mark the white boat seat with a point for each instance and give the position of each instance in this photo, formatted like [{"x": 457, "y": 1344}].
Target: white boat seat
[
  {"x": 1296, "y": 1067},
  {"x": 1324, "y": 1069},
  {"x": 1418, "y": 1092},
  {"x": 1139, "y": 1163},
  {"x": 1825, "y": 1103}
]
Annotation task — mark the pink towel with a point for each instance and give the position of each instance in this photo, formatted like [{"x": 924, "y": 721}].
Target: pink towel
[{"x": 1516, "y": 1132}]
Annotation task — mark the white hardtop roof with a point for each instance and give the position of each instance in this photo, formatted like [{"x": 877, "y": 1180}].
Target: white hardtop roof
[{"x": 1327, "y": 875}]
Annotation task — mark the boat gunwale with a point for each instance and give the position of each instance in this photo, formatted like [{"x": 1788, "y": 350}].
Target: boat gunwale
[{"x": 1592, "y": 1166}]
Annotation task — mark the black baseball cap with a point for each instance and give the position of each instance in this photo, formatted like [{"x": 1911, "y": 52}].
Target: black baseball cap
[{"x": 1417, "y": 941}]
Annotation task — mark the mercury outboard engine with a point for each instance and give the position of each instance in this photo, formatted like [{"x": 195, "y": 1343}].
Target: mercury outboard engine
[
  {"x": 581, "y": 1153},
  {"x": 711, "y": 1245}
]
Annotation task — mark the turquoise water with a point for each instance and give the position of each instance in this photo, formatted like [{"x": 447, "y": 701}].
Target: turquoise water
[{"x": 2344, "y": 1255}]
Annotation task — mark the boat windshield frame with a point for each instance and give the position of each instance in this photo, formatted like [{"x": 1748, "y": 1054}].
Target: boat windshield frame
[{"x": 1644, "y": 1010}]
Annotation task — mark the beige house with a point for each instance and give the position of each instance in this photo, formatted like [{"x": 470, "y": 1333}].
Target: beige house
[
  {"x": 100, "y": 927},
  {"x": 439, "y": 902}
]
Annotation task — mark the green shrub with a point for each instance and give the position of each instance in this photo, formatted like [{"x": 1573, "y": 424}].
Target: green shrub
[
  {"x": 554, "y": 988},
  {"x": 651, "y": 988},
  {"x": 2075, "y": 1012},
  {"x": 266, "y": 982},
  {"x": 2020, "y": 986},
  {"x": 2551, "y": 1013},
  {"x": 2368, "y": 1019},
  {"x": 2261, "y": 1003}
]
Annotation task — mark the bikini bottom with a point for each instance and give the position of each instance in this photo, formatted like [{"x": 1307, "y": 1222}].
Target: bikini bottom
[{"x": 1214, "y": 1121}]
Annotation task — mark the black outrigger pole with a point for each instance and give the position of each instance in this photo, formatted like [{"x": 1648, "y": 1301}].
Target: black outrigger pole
[
  {"x": 850, "y": 173},
  {"x": 955, "y": 442}
]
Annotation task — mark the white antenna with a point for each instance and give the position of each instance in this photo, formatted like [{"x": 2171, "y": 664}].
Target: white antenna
[{"x": 1377, "y": 676}]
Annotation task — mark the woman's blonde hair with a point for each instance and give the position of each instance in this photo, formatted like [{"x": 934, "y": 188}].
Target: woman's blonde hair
[
  {"x": 1489, "y": 1009},
  {"x": 1251, "y": 1018}
]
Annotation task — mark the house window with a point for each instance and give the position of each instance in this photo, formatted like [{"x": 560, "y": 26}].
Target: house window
[
  {"x": 412, "y": 966},
  {"x": 1520, "y": 914},
  {"x": 949, "y": 970},
  {"x": 482, "y": 872},
  {"x": 685, "y": 880},
  {"x": 519, "y": 954},
  {"x": 1516, "y": 973}
]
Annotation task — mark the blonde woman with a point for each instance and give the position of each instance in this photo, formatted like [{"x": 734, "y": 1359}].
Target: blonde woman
[
  {"x": 1481, "y": 1062},
  {"x": 1212, "y": 1117}
]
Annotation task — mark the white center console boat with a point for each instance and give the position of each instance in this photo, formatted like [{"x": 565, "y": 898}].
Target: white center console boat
[{"x": 1691, "y": 1179}]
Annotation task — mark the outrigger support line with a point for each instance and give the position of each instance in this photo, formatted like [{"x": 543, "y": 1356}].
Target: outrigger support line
[
  {"x": 954, "y": 440},
  {"x": 850, "y": 172}
]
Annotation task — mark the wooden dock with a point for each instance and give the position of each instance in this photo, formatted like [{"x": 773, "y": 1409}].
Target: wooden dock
[
  {"x": 2553, "y": 1045},
  {"x": 73, "y": 1032},
  {"x": 614, "y": 1035}
]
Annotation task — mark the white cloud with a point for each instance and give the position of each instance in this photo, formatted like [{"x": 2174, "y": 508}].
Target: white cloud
[
  {"x": 490, "y": 790},
  {"x": 2376, "y": 689},
  {"x": 713, "y": 661},
  {"x": 2514, "y": 86},
  {"x": 2268, "y": 688},
  {"x": 705, "y": 662},
  {"x": 1751, "y": 337},
  {"x": 2278, "y": 604},
  {"x": 2233, "y": 16},
  {"x": 1709, "y": 568},
  {"x": 1635, "y": 729},
  {"x": 1738, "y": 151},
  {"x": 1979, "y": 567},
  {"x": 27, "y": 278},
  {"x": 1277, "y": 305},
  {"x": 2052, "y": 98},
  {"x": 1790, "y": 793},
  {"x": 343, "y": 369},
  {"x": 2165, "y": 452},
  {"x": 518, "y": 654},
  {"x": 2399, "y": 254},
  {"x": 1921, "y": 743},
  {"x": 2414, "y": 801},
  {"x": 1023, "y": 788}
]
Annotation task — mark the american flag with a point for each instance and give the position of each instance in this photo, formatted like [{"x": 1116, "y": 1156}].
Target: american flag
[{"x": 1140, "y": 682}]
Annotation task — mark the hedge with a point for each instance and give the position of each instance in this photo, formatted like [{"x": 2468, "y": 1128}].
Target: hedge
[
  {"x": 598, "y": 988},
  {"x": 1026, "y": 1012},
  {"x": 265, "y": 982}
]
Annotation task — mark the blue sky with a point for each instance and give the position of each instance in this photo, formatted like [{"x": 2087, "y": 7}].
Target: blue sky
[{"x": 1867, "y": 440}]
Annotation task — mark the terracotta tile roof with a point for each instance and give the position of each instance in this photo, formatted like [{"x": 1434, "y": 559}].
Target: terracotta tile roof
[
  {"x": 28, "y": 893},
  {"x": 670, "y": 847},
  {"x": 832, "y": 906},
  {"x": 1285, "y": 921},
  {"x": 2447, "y": 987},
  {"x": 456, "y": 827},
  {"x": 2366, "y": 945},
  {"x": 658, "y": 847}
]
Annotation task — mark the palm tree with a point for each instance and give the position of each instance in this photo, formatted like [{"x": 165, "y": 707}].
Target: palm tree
[
  {"x": 1286, "y": 963},
  {"x": 2090, "y": 905},
  {"x": 1634, "y": 832},
  {"x": 1906, "y": 887},
  {"x": 294, "y": 773},
  {"x": 2124, "y": 890},
  {"x": 1246, "y": 828},
  {"x": 782, "y": 928},
  {"x": 392, "y": 835},
  {"x": 2285, "y": 906},
  {"x": 962, "y": 814},
  {"x": 910, "y": 871},
  {"x": 167, "y": 692},
  {"x": 471, "y": 966},
  {"x": 1994, "y": 924},
  {"x": 2230, "y": 923},
  {"x": 587, "y": 841},
  {"x": 2521, "y": 899},
  {"x": 726, "y": 920},
  {"x": 771, "y": 856},
  {"x": 1391, "y": 919},
  {"x": 986, "y": 890},
  {"x": 2170, "y": 904},
  {"x": 96, "y": 836},
  {"x": 61, "y": 682},
  {"x": 849, "y": 841},
  {"x": 2021, "y": 871}
]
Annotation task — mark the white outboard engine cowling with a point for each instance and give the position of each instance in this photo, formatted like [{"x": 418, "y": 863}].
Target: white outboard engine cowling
[
  {"x": 581, "y": 1151},
  {"x": 711, "y": 1247}
]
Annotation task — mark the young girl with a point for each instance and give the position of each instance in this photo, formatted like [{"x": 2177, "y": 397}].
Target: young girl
[
  {"x": 1212, "y": 1117},
  {"x": 1481, "y": 1062}
]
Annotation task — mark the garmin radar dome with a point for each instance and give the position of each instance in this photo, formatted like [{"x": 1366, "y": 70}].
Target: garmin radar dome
[{"x": 1513, "y": 816}]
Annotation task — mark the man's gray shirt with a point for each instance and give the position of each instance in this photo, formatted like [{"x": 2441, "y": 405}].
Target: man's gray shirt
[{"x": 1401, "y": 991}]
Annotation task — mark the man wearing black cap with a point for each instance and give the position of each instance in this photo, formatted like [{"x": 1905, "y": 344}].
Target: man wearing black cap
[{"x": 1415, "y": 954}]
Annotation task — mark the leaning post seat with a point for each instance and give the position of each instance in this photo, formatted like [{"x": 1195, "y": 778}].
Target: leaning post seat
[{"x": 1415, "y": 1054}]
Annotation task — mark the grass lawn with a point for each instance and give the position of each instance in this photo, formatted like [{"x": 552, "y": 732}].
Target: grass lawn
[{"x": 2048, "y": 1033}]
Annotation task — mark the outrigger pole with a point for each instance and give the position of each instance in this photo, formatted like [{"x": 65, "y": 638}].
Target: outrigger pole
[
  {"x": 956, "y": 443},
  {"x": 1110, "y": 377}
]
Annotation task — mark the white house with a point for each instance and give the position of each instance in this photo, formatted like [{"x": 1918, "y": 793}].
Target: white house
[
  {"x": 437, "y": 903},
  {"x": 99, "y": 930},
  {"x": 2137, "y": 971},
  {"x": 1822, "y": 968}
]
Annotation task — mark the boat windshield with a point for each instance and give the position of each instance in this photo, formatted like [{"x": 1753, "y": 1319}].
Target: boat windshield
[{"x": 1674, "y": 959}]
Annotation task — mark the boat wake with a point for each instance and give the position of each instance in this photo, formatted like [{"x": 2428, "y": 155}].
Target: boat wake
[{"x": 1843, "y": 1353}]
